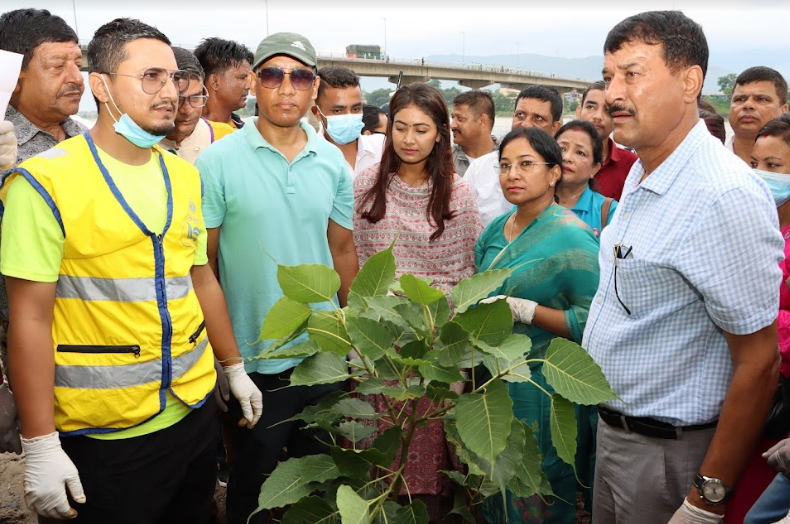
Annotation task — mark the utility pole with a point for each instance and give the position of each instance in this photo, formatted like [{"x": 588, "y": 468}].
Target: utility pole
[
  {"x": 385, "y": 36},
  {"x": 267, "y": 16},
  {"x": 463, "y": 46},
  {"x": 518, "y": 56},
  {"x": 76, "y": 28}
]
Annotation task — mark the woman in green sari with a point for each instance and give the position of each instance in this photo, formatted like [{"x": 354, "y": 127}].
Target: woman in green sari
[{"x": 554, "y": 258}]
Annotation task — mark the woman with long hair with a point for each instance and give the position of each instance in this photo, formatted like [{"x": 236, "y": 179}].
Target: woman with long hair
[{"x": 414, "y": 195}]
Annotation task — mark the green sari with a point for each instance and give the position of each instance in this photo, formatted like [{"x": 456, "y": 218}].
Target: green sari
[{"x": 555, "y": 263}]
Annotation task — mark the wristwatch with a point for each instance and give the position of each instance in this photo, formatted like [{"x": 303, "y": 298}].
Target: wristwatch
[{"x": 712, "y": 490}]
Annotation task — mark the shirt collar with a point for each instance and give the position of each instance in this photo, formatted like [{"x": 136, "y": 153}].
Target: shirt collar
[
  {"x": 25, "y": 130},
  {"x": 256, "y": 140},
  {"x": 614, "y": 152},
  {"x": 585, "y": 200}
]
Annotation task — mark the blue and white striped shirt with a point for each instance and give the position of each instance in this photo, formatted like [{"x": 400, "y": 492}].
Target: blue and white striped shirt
[{"x": 705, "y": 247}]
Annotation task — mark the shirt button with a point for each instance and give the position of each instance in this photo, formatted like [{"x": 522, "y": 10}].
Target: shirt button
[
  {"x": 600, "y": 299},
  {"x": 626, "y": 215}
]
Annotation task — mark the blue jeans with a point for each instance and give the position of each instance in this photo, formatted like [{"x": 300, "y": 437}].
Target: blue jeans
[{"x": 773, "y": 504}]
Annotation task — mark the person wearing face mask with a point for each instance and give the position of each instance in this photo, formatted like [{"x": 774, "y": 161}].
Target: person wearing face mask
[
  {"x": 338, "y": 107},
  {"x": 104, "y": 251}
]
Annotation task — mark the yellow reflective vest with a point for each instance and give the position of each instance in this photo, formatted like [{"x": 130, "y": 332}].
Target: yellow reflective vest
[{"x": 127, "y": 324}]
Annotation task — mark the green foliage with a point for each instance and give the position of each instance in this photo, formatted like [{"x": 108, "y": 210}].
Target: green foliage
[
  {"x": 402, "y": 348},
  {"x": 727, "y": 84}
]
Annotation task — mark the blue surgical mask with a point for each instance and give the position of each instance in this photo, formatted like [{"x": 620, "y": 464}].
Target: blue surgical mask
[
  {"x": 778, "y": 183},
  {"x": 344, "y": 129},
  {"x": 129, "y": 129}
]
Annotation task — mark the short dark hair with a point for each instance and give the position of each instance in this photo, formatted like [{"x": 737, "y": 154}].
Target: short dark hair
[
  {"x": 371, "y": 117},
  {"x": 707, "y": 106},
  {"x": 715, "y": 124},
  {"x": 23, "y": 30},
  {"x": 106, "y": 48},
  {"x": 187, "y": 61},
  {"x": 542, "y": 142},
  {"x": 544, "y": 94},
  {"x": 778, "y": 127},
  {"x": 586, "y": 127},
  {"x": 217, "y": 55},
  {"x": 600, "y": 85},
  {"x": 684, "y": 43},
  {"x": 336, "y": 78},
  {"x": 480, "y": 102},
  {"x": 764, "y": 74}
]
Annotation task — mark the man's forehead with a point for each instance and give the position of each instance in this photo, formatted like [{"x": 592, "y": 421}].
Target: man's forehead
[
  {"x": 57, "y": 49},
  {"x": 148, "y": 52},
  {"x": 763, "y": 87},
  {"x": 342, "y": 95},
  {"x": 536, "y": 105}
]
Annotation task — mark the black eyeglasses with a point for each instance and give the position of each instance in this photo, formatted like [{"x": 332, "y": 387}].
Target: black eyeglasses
[
  {"x": 273, "y": 77},
  {"x": 620, "y": 251},
  {"x": 154, "y": 79},
  {"x": 196, "y": 101}
]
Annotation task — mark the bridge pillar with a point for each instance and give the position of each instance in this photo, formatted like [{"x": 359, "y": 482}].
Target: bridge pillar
[
  {"x": 409, "y": 79},
  {"x": 475, "y": 84}
]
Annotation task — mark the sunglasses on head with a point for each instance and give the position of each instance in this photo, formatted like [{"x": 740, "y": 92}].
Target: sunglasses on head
[{"x": 273, "y": 77}]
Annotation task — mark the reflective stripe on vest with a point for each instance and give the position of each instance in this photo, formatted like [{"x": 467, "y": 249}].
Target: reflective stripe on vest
[
  {"x": 124, "y": 376},
  {"x": 120, "y": 289}
]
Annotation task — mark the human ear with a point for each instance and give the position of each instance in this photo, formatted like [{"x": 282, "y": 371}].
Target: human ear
[
  {"x": 692, "y": 83},
  {"x": 98, "y": 87}
]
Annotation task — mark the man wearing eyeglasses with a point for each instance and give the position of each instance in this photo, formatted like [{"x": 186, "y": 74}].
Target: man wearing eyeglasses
[
  {"x": 104, "y": 254},
  {"x": 275, "y": 193},
  {"x": 192, "y": 134}
]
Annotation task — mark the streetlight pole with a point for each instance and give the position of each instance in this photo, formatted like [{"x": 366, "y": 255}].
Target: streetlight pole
[
  {"x": 267, "y": 16},
  {"x": 463, "y": 46},
  {"x": 518, "y": 56},
  {"x": 74, "y": 6},
  {"x": 385, "y": 35}
]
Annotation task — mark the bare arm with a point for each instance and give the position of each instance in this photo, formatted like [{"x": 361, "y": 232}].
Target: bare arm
[
  {"x": 344, "y": 257},
  {"x": 212, "y": 246},
  {"x": 755, "y": 361},
  {"x": 552, "y": 320},
  {"x": 215, "y": 311},
  {"x": 31, "y": 357}
]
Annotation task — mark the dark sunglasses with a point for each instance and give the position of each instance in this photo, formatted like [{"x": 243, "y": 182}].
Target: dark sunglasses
[{"x": 273, "y": 77}]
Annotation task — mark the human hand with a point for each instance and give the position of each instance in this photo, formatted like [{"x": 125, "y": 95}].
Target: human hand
[
  {"x": 8, "y": 151},
  {"x": 247, "y": 393},
  {"x": 9, "y": 434},
  {"x": 48, "y": 472},
  {"x": 523, "y": 310},
  {"x": 222, "y": 389},
  {"x": 688, "y": 514},
  {"x": 779, "y": 456}
]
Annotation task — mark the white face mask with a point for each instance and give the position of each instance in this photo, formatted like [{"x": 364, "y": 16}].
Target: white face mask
[
  {"x": 343, "y": 129},
  {"x": 778, "y": 183}
]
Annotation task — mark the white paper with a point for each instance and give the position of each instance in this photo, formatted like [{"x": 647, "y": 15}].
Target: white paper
[{"x": 10, "y": 65}]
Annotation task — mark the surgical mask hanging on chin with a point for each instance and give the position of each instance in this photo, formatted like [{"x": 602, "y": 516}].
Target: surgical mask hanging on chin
[
  {"x": 778, "y": 183},
  {"x": 129, "y": 129},
  {"x": 344, "y": 129}
]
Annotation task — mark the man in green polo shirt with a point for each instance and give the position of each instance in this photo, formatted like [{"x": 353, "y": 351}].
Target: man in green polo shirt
[{"x": 274, "y": 191}]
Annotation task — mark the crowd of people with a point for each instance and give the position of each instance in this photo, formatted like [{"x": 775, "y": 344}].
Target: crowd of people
[{"x": 139, "y": 263}]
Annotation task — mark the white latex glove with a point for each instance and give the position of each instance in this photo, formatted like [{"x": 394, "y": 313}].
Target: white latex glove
[
  {"x": 779, "y": 456},
  {"x": 245, "y": 391},
  {"x": 688, "y": 514},
  {"x": 785, "y": 520},
  {"x": 9, "y": 435},
  {"x": 7, "y": 145},
  {"x": 523, "y": 310},
  {"x": 48, "y": 471}
]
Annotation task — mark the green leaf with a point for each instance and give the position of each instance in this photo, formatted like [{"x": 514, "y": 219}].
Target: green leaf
[
  {"x": 437, "y": 392},
  {"x": 356, "y": 431},
  {"x": 484, "y": 421},
  {"x": 355, "y": 408},
  {"x": 370, "y": 338},
  {"x": 573, "y": 373},
  {"x": 433, "y": 371},
  {"x": 412, "y": 314},
  {"x": 521, "y": 373},
  {"x": 308, "y": 283},
  {"x": 326, "y": 330},
  {"x": 353, "y": 508},
  {"x": 470, "y": 291},
  {"x": 406, "y": 361},
  {"x": 283, "y": 318},
  {"x": 300, "y": 350},
  {"x": 376, "y": 275},
  {"x": 277, "y": 344},
  {"x": 456, "y": 342},
  {"x": 321, "y": 368},
  {"x": 355, "y": 463},
  {"x": 439, "y": 312},
  {"x": 419, "y": 291},
  {"x": 507, "y": 461},
  {"x": 371, "y": 386},
  {"x": 563, "y": 429},
  {"x": 530, "y": 478},
  {"x": 415, "y": 349},
  {"x": 322, "y": 410},
  {"x": 492, "y": 323},
  {"x": 387, "y": 513},
  {"x": 514, "y": 347},
  {"x": 311, "y": 510},
  {"x": 388, "y": 443},
  {"x": 459, "y": 506},
  {"x": 295, "y": 478},
  {"x": 414, "y": 513}
]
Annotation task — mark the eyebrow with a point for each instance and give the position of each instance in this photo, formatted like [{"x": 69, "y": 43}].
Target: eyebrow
[{"x": 413, "y": 125}]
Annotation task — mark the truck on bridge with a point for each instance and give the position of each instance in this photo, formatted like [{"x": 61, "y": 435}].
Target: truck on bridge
[{"x": 364, "y": 51}]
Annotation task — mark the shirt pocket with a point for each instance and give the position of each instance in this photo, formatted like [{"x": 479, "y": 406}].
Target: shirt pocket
[{"x": 632, "y": 286}]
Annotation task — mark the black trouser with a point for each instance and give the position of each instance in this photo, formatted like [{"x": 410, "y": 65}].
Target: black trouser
[
  {"x": 257, "y": 451},
  {"x": 166, "y": 477}
]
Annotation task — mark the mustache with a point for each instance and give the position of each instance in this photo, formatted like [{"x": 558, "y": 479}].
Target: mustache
[
  {"x": 71, "y": 88},
  {"x": 169, "y": 104},
  {"x": 619, "y": 109}
]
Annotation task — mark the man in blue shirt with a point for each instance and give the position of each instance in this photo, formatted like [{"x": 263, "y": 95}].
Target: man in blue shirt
[
  {"x": 274, "y": 193},
  {"x": 683, "y": 323}
]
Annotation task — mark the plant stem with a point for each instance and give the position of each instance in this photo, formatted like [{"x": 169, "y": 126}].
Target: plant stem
[{"x": 404, "y": 450}]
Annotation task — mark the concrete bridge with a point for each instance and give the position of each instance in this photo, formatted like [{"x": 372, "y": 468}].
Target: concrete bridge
[{"x": 475, "y": 76}]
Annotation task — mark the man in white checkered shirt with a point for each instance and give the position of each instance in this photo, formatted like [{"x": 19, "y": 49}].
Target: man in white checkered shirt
[{"x": 683, "y": 324}]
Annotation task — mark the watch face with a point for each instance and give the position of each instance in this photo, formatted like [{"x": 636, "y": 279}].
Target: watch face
[{"x": 714, "y": 490}]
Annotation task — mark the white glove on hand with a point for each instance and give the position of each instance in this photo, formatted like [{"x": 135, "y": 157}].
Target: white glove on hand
[
  {"x": 48, "y": 470},
  {"x": 688, "y": 514},
  {"x": 779, "y": 457},
  {"x": 785, "y": 520},
  {"x": 523, "y": 310},
  {"x": 245, "y": 391},
  {"x": 9, "y": 435},
  {"x": 8, "y": 154}
]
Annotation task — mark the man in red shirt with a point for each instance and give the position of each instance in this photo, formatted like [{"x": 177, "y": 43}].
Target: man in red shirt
[{"x": 617, "y": 161}]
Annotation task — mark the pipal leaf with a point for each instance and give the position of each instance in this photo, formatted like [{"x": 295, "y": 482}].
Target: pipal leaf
[
  {"x": 388, "y": 443},
  {"x": 563, "y": 429},
  {"x": 300, "y": 350},
  {"x": 295, "y": 478},
  {"x": 308, "y": 283},
  {"x": 530, "y": 478},
  {"x": 376, "y": 275},
  {"x": 356, "y": 431},
  {"x": 355, "y": 408},
  {"x": 515, "y": 346},
  {"x": 456, "y": 341},
  {"x": 321, "y": 368},
  {"x": 354, "y": 463},
  {"x": 280, "y": 342},
  {"x": 414, "y": 513},
  {"x": 383, "y": 308},
  {"x": 326, "y": 330},
  {"x": 419, "y": 291},
  {"x": 439, "y": 312},
  {"x": 460, "y": 506},
  {"x": 412, "y": 314},
  {"x": 520, "y": 373},
  {"x": 370, "y": 338},
  {"x": 470, "y": 291},
  {"x": 371, "y": 386},
  {"x": 353, "y": 508},
  {"x": 414, "y": 349},
  {"x": 284, "y": 317},
  {"x": 492, "y": 323},
  {"x": 573, "y": 373},
  {"x": 311, "y": 510},
  {"x": 322, "y": 410},
  {"x": 484, "y": 420},
  {"x": 438, "y": 392},
  {"x": 434, "y": 371}
]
